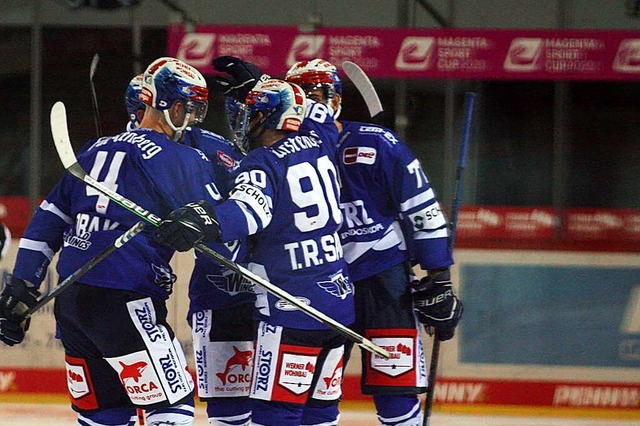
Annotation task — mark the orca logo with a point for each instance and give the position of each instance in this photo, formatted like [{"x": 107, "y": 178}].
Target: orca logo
[
  {"x": 239, "y": 358},
  {"x": 133, "y": 371}
]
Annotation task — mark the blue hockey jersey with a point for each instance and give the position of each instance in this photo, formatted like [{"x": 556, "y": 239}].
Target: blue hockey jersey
[
  {"x": 143, "y": 166},
  {"x": 390, "y": 210},
  {"x": 213, "y": 286},
  {"x": 287, "y": 196}
]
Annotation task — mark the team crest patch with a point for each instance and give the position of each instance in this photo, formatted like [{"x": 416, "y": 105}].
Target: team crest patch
[{"x": 338, "y": 285}]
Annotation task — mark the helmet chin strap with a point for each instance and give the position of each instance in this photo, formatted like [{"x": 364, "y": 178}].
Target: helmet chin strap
[
  {"x": 177, "y": 130},
  {"x": 337, "y": 109}
]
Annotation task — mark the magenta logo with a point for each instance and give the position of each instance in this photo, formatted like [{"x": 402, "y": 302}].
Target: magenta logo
[
  {"x": 306, "y": 47},
  {"x": 628, "y": 56},
  {"x": 524, "y": 55},
  {"x": 415, "y": 53},
  {"x": 196, "y": 49}
]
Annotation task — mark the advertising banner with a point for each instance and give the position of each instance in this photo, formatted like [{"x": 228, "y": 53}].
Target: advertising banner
[{"x": 424, "y": 53}]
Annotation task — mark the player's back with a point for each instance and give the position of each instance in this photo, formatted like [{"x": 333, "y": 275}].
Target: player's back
[
  {"x": 300, "y": 250},
  {"x": 369, "y": 158},
  {"x": 146, "y": 167}
]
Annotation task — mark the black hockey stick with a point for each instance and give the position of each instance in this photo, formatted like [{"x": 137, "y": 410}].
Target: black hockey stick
[
  {"x": 119, "y": 242},
  {"x": 470, "y": 98},
  {"x": 94, "y": 97},
  {"x": 61, "y": 139}
]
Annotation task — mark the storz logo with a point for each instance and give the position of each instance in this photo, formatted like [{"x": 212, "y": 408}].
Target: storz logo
[{"x": 264, "y": 370}]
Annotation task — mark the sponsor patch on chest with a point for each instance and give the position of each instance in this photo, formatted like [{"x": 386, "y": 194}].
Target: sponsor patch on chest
[{"x": 359, "y": 154}]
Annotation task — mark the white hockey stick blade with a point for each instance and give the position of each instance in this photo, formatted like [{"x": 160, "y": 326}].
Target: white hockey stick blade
[
  {"x": 60, "y": 134},
  {"x": 65, "y": 151},
  {"x": 364, "y": 86}
]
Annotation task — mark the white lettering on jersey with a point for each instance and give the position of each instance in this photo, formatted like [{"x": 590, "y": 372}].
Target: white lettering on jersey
[
  {"x": 355, "y": 214},
  {"x": 308, "y": 253},
  {"x": 415, "y": 169}
]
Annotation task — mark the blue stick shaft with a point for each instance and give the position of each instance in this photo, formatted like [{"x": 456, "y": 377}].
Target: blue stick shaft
[{"x": 470, "y": 98}]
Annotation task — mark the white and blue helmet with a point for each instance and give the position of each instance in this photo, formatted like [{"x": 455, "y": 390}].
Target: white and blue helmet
[
  {"x": 283, "y": 104},
  {"x": 168, "y": 80}
]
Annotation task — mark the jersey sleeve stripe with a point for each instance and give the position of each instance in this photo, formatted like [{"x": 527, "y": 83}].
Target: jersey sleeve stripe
[
  {"x": 427, "y": 235},
  {"x": 417, "y": 200},
  {"x": 251, "y": 196},
  {"x": 34, "y": 245},
  {"x": 51, "y": 208},
  {"x": 252, "y": 225}
]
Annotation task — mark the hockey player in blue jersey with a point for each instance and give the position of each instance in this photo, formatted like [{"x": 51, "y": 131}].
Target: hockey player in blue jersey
[
  {"x": 221, "y": 303},
  {"x": 120, "y": 352},
  {"x": 286, "y": 198},
  {"x": 391, "y": 218}
]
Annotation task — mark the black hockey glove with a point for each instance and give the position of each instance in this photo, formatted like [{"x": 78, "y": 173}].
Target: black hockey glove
[
  {"x": 16, "y": 299},
  {"x": 188, "y": 225},
  {"x": 436, "y": 304},
  {"x": 243, "y": 76}
]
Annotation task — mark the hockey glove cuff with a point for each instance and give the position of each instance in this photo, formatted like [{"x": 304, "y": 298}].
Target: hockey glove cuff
[
  {"x": 17, "y": 297},
  {"x": 436, "y": 304},
  {"x": 188, "y": 225}
]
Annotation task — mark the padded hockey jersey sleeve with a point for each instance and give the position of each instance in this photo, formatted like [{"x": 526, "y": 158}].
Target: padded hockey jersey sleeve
[{"x": 425, "y": 225}]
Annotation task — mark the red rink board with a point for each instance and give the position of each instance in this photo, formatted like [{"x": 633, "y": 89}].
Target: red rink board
[{"x": 448, "y": 390}]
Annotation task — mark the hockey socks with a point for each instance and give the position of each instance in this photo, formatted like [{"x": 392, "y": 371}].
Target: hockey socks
[{"x": 398, "y": 410}]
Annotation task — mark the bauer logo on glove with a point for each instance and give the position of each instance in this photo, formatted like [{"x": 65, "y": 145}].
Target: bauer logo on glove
[{"x": 436, "y": 304}]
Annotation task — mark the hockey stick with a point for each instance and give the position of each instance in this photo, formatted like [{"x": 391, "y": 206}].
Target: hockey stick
[
  {"x": 365, "y": 87},
  {"x": 119, "y": 242},
  {"x": 94, "y": 97},
  {"x": 462, "y": 162},
  {"x": 65, "y": 152}
]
